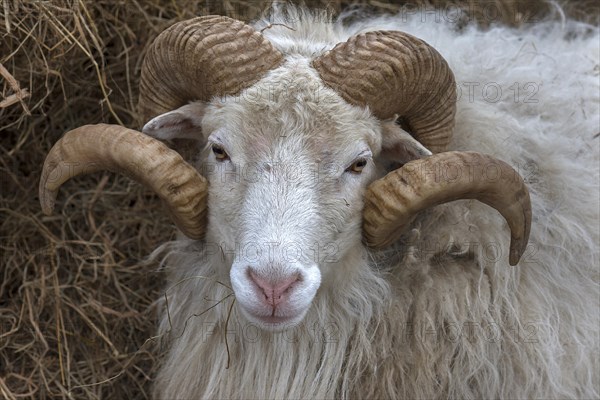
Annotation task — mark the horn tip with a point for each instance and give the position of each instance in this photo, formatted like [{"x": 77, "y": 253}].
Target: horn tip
[
  {"x": 518, "y": 243},
  {"x": 517, "y": 248},
  {"x": 46, "y": 194},
  {"x": 47, "y": 200}
]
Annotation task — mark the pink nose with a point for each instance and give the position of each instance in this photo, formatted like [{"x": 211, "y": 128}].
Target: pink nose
[{"x": 274, "y": 291}]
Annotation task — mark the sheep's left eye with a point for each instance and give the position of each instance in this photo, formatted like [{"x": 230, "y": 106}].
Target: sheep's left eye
[
  {"x": 220, "y": 153},
  {"x": 357, "y": 166}
]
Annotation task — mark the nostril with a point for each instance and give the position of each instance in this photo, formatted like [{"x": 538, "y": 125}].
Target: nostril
[{"x": 273, "y": 289}]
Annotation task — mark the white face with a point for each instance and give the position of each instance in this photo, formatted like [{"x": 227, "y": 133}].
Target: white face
[
  {"x": 288, "y": 165},
  {"x": 285, "y": 201}
]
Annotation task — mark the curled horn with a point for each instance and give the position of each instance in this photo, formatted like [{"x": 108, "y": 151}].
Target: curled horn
[
  {"x": 192, "y": 60},
  {"x": 92, "y": 148},
  {"x": 396, "y": 73},
  {"x": 201, "y": 58},
  {"x": 393, "y": 201}
]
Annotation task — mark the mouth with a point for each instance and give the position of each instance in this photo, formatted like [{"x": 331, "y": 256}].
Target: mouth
[{"x": 274, "y": 322}]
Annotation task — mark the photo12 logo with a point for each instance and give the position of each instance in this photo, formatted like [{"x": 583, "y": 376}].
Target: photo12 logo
[
  {"x": 485, "y": 12},
  {"x": 494, "y": 92},
  {"x": 291, "y": 252},
  {"x": 247, "y": 332}
]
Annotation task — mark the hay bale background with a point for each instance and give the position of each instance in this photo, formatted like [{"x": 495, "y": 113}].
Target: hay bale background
[{"x": 76, "y": 316}]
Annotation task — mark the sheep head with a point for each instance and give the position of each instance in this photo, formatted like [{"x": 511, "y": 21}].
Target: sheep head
[{"x": 290, "y": 153}]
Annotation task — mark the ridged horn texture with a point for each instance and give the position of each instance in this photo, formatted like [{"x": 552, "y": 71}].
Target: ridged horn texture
[
  {"x": 391, "y": 203},
  {"x": 192, "y": 60},
  {"x": 395, "y": 73},
  {"x": 92, "y": 148},
  {"x": 200, "y": 58}
]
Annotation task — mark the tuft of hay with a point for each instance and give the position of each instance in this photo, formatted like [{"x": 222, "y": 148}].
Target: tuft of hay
[{"x": 76, "y": 315}]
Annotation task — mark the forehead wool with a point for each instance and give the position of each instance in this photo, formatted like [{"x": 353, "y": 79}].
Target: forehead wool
[{"x": 294, "y": 108}]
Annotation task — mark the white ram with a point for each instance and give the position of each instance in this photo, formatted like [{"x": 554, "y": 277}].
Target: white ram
[{"x": 278, "y": 296}]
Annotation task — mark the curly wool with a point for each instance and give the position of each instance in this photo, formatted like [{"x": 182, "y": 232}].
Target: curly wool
[{"x": 441, "y": 314}]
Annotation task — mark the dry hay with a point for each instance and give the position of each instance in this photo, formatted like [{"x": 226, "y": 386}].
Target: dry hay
[{"x": 76, "y": 316}]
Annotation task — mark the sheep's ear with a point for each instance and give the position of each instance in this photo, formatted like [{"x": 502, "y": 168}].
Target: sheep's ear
[
  {"x": 398, "y": 146},
  {"x": 183, "y": 123}
]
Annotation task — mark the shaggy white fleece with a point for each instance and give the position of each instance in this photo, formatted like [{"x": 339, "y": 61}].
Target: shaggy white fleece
[{"x": 442, "y": 314}]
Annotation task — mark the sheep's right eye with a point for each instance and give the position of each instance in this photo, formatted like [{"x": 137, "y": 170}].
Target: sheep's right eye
[
  {"x": 220, "y": 153},
  {"x": 357, "y": 166}
]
